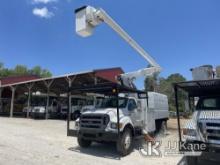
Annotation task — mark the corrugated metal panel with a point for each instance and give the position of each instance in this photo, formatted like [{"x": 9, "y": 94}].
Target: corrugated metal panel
[
  {"x": 109, "y": 74},
  {"x": 17, "y": 79}
]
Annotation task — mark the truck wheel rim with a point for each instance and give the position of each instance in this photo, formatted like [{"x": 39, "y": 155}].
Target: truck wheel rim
[{"x": 127, "y": 141}]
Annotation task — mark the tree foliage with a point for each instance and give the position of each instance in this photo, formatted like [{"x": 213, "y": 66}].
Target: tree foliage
[
  {"x": 165, "y": 86},
  {"x": 20, "y": 70},
  {"x": 218, "y": 71},
  {"x": 151, "y": 83}
]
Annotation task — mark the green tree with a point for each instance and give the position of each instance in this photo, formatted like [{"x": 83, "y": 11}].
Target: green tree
[
  {"x": 218, "y": 71},
  {"x": 20, "y": 70},
  {"x": 151, "y": 83},
  {"x": 166, "y": 87},
  {"x": 37, "y": 70}
]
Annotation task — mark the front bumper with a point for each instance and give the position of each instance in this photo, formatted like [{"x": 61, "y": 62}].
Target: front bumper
[
  {"x": 97, "y": 135},
  {"x": 38, "y": 115}
]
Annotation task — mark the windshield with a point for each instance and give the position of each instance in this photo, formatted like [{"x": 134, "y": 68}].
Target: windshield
[
  {"x": 112, "y": 103},
  {"x": 209, "y": 103}
]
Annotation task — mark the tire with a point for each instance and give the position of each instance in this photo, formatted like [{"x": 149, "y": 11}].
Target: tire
[
  {"x": 124, "y": 144},
  {"x": 161, "y": 126},
  {"x": 84, "y": 143},
  {"x": 191, "y": 160}
]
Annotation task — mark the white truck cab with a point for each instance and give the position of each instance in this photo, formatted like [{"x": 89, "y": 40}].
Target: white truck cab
[
  {"x": 39, "y": 110},
  {"x": 100, "y": 124},
  {"x": 77, "y": 102},
  {"x": 204, "y": 126}
]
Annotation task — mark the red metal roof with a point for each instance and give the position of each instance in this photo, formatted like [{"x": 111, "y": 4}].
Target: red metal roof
[
  {"x": 17, "y": 79},
  {"x": 109, "y": 74}
]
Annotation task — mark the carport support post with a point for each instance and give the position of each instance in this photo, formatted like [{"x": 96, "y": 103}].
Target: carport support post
[
  {"x": 70, "y": 81},
  {"x": 13, "y": 88},
  {"x": 118, "y": 122},
  {"x": 177, "y": 111},
  {"x": 1, "y": 99},
  {"x": 29, "y": 98},
  {"x": 48, "y": 85},
  {"x": 48, "y": 99}
]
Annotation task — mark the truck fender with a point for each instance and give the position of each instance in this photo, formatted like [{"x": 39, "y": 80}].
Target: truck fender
[{"x": 126, "y": 121}]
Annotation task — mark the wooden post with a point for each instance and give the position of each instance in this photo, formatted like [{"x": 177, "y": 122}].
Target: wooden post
[
  {"x": 69, "y": 81},
  {"x": 48, "y": 85},
  {"x": 1, "y": 110},
  {"x": 13, "y": 88},
  {"x": 29, "y": 87}
]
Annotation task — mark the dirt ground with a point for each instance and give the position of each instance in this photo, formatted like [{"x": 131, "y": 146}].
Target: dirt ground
[{"x": 44, "y": 142}]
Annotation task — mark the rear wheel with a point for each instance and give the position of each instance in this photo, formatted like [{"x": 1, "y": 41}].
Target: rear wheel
[
  {"x": 124, "y": 144},
  {"x": 84, "y": 143},
  {"x": 161, "y": 126}
]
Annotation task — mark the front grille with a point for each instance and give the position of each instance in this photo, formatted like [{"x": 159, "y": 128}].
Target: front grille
[
  {"x": 211, "y": 131},
  {"x": 36, "y": 110},
  {"x": 94, "y": 121},
  {"x": 64, "y": 110}
]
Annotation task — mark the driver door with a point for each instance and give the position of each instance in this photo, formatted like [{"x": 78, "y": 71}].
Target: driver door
[{"x": 133, "y": 112}]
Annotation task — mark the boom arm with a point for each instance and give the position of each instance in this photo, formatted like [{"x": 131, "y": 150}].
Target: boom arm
[{"x": 88, "y": 17}]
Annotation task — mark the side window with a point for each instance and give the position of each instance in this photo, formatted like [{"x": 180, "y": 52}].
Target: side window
[{"x": 131, "y": 105}]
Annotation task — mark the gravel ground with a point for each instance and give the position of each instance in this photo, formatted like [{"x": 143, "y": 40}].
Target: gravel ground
[{"x": 41, "y": 142}]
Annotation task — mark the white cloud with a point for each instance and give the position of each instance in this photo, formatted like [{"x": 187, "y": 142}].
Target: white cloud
[
  {"x": 43, "y": 12},
  {"x": 43, "y": 1}
]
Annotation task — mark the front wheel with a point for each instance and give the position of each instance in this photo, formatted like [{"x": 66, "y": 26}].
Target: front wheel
[
  {"x": 124, "y": 143},
  {"x": 84, "y": 143}
]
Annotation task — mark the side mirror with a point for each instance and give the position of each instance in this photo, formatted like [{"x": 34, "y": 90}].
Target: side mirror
[{"x": 131, "y": 107}]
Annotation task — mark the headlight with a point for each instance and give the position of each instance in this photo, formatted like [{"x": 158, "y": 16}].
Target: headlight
[
  {"x": 189, "y": 132},
  {"x": 76, "y": 123},
  {"x": 115, "y": 125}
]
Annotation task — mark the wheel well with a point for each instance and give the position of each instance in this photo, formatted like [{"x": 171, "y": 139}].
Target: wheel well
[{"x": 129, "y": 126}]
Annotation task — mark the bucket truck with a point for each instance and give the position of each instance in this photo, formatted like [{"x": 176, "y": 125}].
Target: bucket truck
[{"x": 135, "y": 115}]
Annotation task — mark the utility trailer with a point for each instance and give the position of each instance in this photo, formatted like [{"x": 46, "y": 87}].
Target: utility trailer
[
  {"x": 124, "y": 115},
  {"x": 200, "y": 136}
]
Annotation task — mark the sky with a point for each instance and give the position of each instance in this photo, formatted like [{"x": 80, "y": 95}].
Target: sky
[{"x": 178, "y": 34}]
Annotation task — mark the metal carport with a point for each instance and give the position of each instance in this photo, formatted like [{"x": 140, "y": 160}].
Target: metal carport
[{"x": 60, "y": 84}]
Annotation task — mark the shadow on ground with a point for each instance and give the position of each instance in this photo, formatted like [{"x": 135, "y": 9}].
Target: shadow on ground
[
  {"x": 204, "y": 159},
  {"x": 106, "y": 150}
]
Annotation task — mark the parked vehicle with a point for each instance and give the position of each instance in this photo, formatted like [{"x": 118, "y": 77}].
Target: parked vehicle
[
  {"x": 77, "y": 102},
  {"x": 134, "y": 116},
  {"x": 100, "y": 124},
  {"x": 38, "y": 107},
  {"x": 92, "y": 103},
  {"x": 204, "y": 127}
]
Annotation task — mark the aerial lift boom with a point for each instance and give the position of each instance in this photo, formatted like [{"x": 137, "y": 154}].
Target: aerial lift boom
[{"x": 87, "y": 18}]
